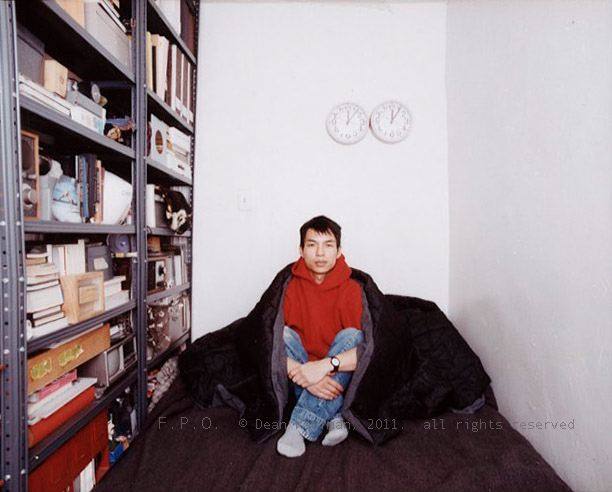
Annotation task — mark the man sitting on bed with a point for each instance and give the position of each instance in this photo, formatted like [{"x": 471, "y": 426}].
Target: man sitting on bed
[{"x": 322, "y": 309}]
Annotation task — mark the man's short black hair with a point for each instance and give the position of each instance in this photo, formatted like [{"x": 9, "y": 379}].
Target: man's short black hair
[{"x": 321, "y": 224}]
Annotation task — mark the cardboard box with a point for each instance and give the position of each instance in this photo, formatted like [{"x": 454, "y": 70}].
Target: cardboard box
[
  {"x": 75, "y": 9},
  {"x": 103, "y": 28},
  {"x": 83, "y": 295},
  {"x": 55, "y": 76},
  {"x": 53, "y": 363}
]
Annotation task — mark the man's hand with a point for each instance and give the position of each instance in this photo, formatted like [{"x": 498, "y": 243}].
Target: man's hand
[
  {"x": 327, "y": 388},
  {"x": 309, "y": 373}
]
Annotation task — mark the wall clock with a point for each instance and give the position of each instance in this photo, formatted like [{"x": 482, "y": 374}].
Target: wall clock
[
  {"x": 347, "y": 123},
  {"x": 390, "y": 122}
]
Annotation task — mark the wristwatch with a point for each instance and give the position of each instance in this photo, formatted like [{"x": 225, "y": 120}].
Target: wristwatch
[{"x": 335, "y": 362}]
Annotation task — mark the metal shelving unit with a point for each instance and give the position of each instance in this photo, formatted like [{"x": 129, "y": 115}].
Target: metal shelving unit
[{"x": 74, "y": 47}]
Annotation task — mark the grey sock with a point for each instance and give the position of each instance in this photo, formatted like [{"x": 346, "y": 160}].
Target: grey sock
[
  {"x": 291, "y": 444},
  {"x": 336, "y": 432}
]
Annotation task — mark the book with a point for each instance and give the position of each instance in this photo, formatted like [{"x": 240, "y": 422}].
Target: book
[
  {"x": 161, "y": 69},
  {"x": 70, "y": 258},
  {"x": 178, "y": 269},
  {"x": 52, "y": 404},
  {"x": 113, "y": 285},
  {"x": 188, "y": 26},
  {"x": 184, "y": 94},
  {"x": 60, "y": 392},
  {"x": 86, "y": 480},
  {"x": 46, "y": 312},
  {"x": 117, "y": 299},
  {"x": 149, "y": 58},
  {"x": 35, "y": 261},
  {"x": 47, "y": 319},
  {"x": 41, "y": 279},
  {"x": 171, "y": 93},
  {"x": 43, "y": 285},
  {"x": 40, "y": 251},
  {"x": 44, "y": 298},
  {"x": 178, "y": 96},
  {"x": 67, "y": 378},
  {"x": 150, "y": 205},
  {"x": 41, "y": 269},
  {"x": 43, "y": 96},
  {"x": 87, "y": 119},
  {"x": 52, "y": 327},
  {"x": 154, "y": 38}
]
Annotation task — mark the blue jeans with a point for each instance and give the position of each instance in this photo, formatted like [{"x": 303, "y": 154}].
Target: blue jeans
[{"x": 311, "y": 413}]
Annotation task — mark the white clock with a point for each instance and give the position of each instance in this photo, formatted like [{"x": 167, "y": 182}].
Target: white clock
[
  {"x": 347, "y": 123},
  {"x": 390, "y": 121}
]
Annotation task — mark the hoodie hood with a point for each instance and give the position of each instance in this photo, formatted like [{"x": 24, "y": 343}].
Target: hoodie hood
[{"x": 334, "y": 278}]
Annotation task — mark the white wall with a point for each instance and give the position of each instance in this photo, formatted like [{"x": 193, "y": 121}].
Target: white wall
[
  {"x": 269, "y": 74},
  {"x": 530, "y": 146}
]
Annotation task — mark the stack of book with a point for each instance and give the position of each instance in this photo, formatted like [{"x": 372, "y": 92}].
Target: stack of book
[
  {"x": 39, "y": 93},
  {"x": 54, "y": 101},
  {"x": 170, "y": 75},
  {"x": 113, "y": 295},
  {"x": 90, "y": 187},
  {"x": 44, "y": 294}
]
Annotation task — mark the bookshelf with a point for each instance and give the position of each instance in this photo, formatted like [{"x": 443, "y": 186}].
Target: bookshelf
[{"x": 124, "y": 82}]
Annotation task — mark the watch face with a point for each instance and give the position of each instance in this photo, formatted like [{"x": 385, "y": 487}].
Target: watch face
[{"x": 335, "y": 362}]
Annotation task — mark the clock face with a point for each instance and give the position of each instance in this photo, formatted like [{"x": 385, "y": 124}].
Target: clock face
[
  {"x": 390, "y": 122},
  {"x": 347, "y": 123}
]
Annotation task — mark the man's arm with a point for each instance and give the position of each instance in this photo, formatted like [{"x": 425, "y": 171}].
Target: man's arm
[
  {"x": 326, "y": 388},
  {"x": 312, "y": 372},
  {"x": 348, "y": 360}
]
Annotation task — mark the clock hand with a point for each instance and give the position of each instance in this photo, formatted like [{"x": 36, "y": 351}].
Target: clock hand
[
  {"x": 394, "y": 116},
  {"x": 348, "y": 121}
]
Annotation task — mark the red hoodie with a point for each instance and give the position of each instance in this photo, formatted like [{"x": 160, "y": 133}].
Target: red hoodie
[{"x": 318, "y": 311}]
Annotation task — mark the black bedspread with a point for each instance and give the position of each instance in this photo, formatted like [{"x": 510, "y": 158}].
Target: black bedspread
[{"x": 209, "y": 451}]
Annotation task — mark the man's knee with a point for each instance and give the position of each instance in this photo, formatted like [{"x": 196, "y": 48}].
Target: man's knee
[
  {"x": 291, "y": 336},
  {"x": 351, "y": 336}
]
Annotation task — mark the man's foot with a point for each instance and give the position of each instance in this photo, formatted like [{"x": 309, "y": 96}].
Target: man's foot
[
  {"x": 336, "y": 432},
  {"x": 291, "y": 444}
]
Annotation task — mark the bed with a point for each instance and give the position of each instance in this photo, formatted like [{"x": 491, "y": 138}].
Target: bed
[{"x": 183, "y": 447}]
